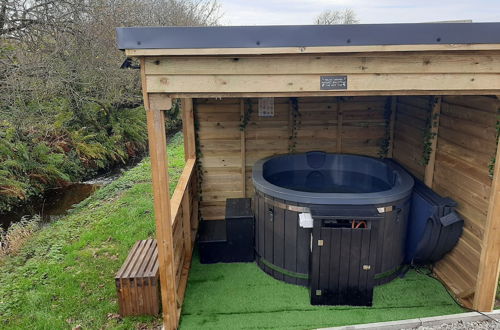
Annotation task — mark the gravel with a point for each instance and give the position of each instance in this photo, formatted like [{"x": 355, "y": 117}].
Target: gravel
[{"x": 480, "y": 325}]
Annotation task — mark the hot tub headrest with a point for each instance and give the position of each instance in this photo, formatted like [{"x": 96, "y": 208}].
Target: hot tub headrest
[{"x": 316, "y": 159}]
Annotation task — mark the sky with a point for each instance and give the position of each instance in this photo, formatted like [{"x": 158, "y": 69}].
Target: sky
[{"x": 292, "y": 12}]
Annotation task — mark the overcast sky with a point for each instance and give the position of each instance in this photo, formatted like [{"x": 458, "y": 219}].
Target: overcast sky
[{"x": 268, "y": 12}]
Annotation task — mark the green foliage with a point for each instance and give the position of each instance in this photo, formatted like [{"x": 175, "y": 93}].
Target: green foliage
[
  {"x": 386, "y": 140},
  {"x": 247, "y": 114},
  {"x": 491, "y": 165},
  {"x": 56, "y": 143},
  {"x": 296, "y": 122},
  {"x": 429, "y": 136},
  {"x": 63, "y": 275}
]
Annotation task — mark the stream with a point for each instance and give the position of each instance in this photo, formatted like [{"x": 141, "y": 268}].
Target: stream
[{"x": 55, "y": 203}]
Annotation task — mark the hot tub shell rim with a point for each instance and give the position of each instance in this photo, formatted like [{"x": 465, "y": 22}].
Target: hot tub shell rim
[{"x": 399, "y": 191}]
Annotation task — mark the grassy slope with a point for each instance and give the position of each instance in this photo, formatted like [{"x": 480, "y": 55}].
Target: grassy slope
[{"x": 64, "y": 276}]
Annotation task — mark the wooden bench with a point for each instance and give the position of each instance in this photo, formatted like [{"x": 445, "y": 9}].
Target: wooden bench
[{"x": 137, "y": 282}]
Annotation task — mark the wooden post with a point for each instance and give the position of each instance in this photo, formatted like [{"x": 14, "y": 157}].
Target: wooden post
[
  {"x": 243, "y": 153},
  {"x": 489, "y": 263},
  {"x": 339, "y": 127},
  {"x": 392, "y": 124},
  {"x": 188, "y": 129},
  {"x": 435, "y": 113},
  {"x": 189, "y": 153},
  {"x": 159, "y": 167}
]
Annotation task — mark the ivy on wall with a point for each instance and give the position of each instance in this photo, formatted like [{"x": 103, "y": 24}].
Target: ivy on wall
[
  {"x": 386, "y": 140},
  {"x": 428, "y": 136},
  {"x": 199, "y": 154},
  {"x": 491, "y": 166},
  {"x": 247, "y": 114},
  {"x": 295, "y": 124}
]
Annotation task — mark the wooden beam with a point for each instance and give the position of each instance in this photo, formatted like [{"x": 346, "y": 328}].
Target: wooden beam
[
  {"x": 339, "y": 126},
  {"x": 182, "y": 186},
  {"x": 159, "y": 101},
  {"x": 423, "y": 92},
  {"x": 243, "y": 152},
  {"x": 308, "y": 64},
  {"x": 186, "y": 223},
  {"x": 435, "y": 114},
  {"x": 188, "y": 128},
  {"x": 489, "y": 264},
  {"x": 311, "y": 82},
  {"x": 392, "y": 124},
  {"x": 159, "y": 167},
  {"x": 309, "y": 50}
]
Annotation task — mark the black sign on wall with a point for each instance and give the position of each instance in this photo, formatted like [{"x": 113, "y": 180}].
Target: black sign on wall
[{"x": 333, "y": 82}]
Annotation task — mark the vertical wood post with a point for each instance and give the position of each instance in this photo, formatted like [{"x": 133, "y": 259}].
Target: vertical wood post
[
  {"x": 188, "y": 129},
  {"x": 392, "y": 124},
  {"x": 435, "y": 114},
  {"x": 489, "y": 263},
  {"x": 159, "y": 167},
  {"x": 243, "y": 153},
  {"x": 339, "y": 126},
  {"x": 186, "y": 224}
]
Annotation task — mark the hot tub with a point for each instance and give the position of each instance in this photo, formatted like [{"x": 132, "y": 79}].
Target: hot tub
[{"x": 331, "y": 185}]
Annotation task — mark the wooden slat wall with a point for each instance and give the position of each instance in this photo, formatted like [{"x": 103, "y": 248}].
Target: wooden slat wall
[
  {"x": 411, "y": 114},
  {"x": 466, "y": 145},
  {"x": 362, "y": 127}
]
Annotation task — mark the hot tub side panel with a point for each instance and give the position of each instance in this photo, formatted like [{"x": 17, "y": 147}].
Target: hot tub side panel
[{"x": 282, "y": 246}]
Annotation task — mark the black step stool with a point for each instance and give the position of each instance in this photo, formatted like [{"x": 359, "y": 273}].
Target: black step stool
[{"x": 229, "y": 240}]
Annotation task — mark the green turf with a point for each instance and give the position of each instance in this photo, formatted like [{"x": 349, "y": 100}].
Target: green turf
[{"x": 241, "y": 296}]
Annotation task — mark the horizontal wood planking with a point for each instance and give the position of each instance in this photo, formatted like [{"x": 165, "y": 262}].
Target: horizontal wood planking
[
  {"x": 352, "y": 63},
  {"x": 466, "y": 144},
  {"x": 266, "y": 83},
  {"x": 220, "y": 138},
  {"x": 338, "y": 93},
  {"x": 411, "y": 114},
  {"x": 445, "y": 48}
]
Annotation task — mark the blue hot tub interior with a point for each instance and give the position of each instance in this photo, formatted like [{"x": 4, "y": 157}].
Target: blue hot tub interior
[{"x": 319, "y": 172}]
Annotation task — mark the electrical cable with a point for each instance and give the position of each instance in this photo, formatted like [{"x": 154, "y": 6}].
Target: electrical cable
[{"x": 429, "y": 274}]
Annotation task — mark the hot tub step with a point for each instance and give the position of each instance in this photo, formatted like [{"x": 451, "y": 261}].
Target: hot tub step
[
  {"x": 229, "y": 240},
  {"x": 212, "y": 241}
]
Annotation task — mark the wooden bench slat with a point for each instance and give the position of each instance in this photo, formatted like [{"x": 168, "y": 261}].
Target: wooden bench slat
[
  {"x": 124, "y": 266},
  {"x": 152, "y": 267},
  {"x": 139, "y": 254},
  {"x": 137, "y": 270}
]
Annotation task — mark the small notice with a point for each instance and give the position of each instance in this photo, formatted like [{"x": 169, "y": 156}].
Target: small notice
[
  {"x": 333, "y": 82},
  {"x": 266, "y": 107}
]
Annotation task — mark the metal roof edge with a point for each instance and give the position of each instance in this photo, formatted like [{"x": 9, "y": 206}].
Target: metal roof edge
[{"x": 307, "y": 35}]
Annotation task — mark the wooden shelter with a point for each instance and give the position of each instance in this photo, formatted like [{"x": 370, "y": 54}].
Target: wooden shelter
[{"x": 426, "y": 95}]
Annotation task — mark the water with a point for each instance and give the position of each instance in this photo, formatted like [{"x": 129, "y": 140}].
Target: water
[
  {"x": 56, "y": 202},
  {"x": 328, "y": 181},
  {"x": 52, "y": 206}
]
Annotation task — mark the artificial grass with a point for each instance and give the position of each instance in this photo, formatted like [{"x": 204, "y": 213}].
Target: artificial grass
[{"x": 241, "y": 296}]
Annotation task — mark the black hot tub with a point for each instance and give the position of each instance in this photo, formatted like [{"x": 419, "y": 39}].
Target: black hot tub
[{"x": 340, "y": 194}]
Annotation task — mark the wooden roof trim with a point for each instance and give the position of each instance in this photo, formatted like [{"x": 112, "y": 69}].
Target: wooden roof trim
[{"x": 309, "y": 50}]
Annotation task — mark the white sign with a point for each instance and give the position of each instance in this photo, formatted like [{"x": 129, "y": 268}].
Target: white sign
[{"x": 266, "y": 107}]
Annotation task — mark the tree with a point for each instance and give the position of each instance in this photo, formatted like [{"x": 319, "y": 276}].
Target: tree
[
  {"x": 329, "y": 17},
  {"x": 67, "y": 110}
]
